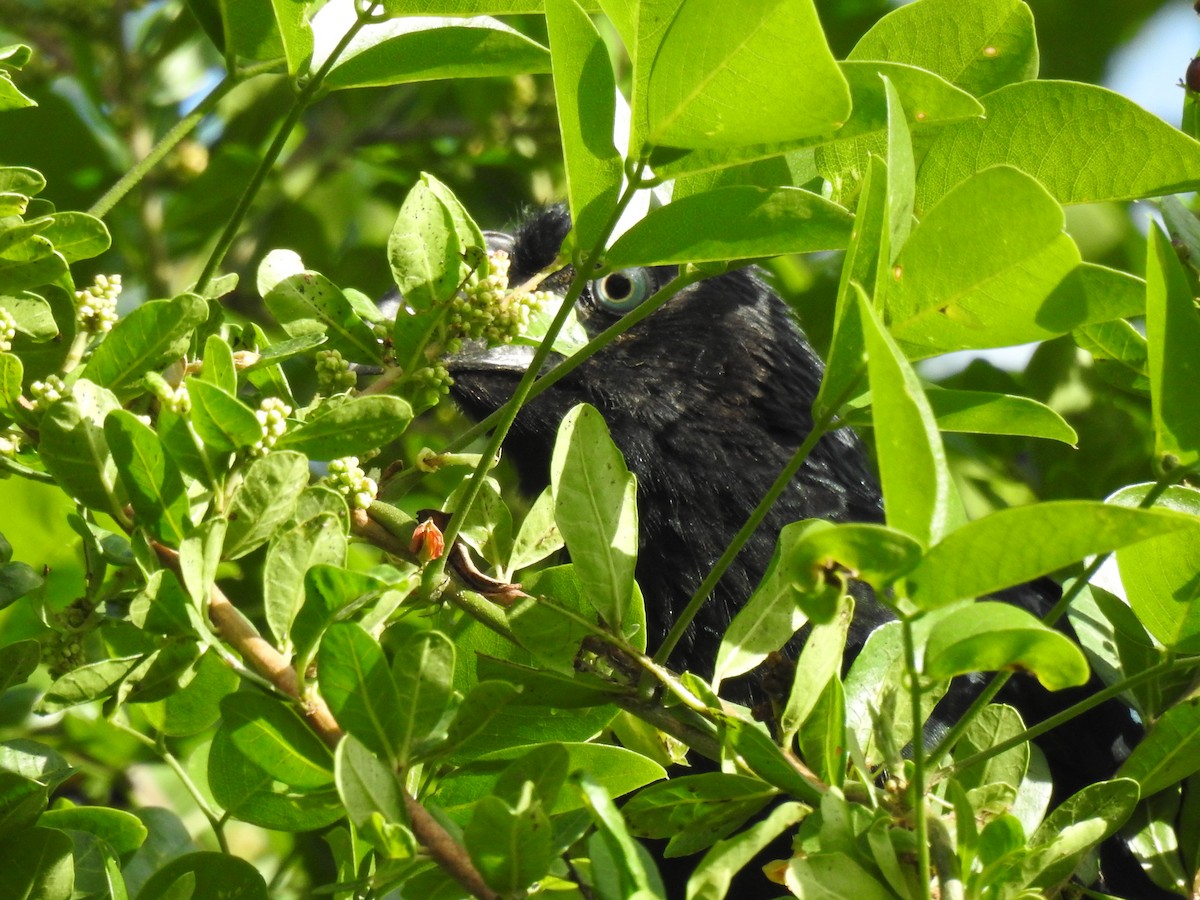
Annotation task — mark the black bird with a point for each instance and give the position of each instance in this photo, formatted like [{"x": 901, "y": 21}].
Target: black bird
[{"x": 708, "y": 399}]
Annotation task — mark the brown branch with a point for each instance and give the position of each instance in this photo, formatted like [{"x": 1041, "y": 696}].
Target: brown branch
[{"x": 258, "y": 653}]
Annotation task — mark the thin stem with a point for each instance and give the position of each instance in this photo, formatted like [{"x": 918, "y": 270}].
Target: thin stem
[
  {"x": 920, "y": 825},
  {"x": 1029, "y": 734},
  {"x": 820, "y": 427},
  {"x": 171, "y": 139},
  {"x": 508, "y": 413},
  {"x": 160, "y": 748},
  {"x": 306, "y": 95},
  {"x": 1056, "y": 612}
]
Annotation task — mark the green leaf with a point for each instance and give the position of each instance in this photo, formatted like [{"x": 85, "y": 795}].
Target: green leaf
[
  {"x": 352, "y": 428},
  {"x": 1083, "y": 143},
  {"x": 1165, "y": 755},
  {"x": 219, "y": 367},
  {"x": 18, "y": 661},
  {"x": 291, "y": 17},
  {"x": 37, "y": 864},
  {"x": 93, "y": 681},
  {"x": 74, "y": 449},
  {"x": 771, "y": 221},
  {"x": 538, "y": 536},
  {"x": 221, "y": 420},
  {"x": 317, "y": 541},
  {"x": 22, "y": 801},
  {"x": 695, "y": 811},
  {"x": 366, "y": 784},
  {"x": 17, "y": 579},
  {"x": 1172, "y": 332},
  {"x": 308, "y": 303},
  {"x": 988, "y": 636},
  {"x": 585, "y": 91},
  {"x": 766, "y": 75},
  {"x": 1016, "y": 545},
  {"x": 595, "y": 505},
  {"x": 982, "y": 268},
  {"x": 246, "y": 791},
  {"x": 424, "y": 676},
  {"x": 1159, "y": 575},
  {"x": 272, "y": 735},
  {"x": 712, "y": 876},
  {"x": 31, "y": 315},
  {"x": 629, "y": 864},
  {"x": 979, "y": 45},
  {"x": 983, "y": 412},
  {"x": 196, "y": 706},
  {"x": 751, "y": 742},
  {"x": 329, "y": 591},
  {"x": 917, "y": 491},
  {"x": 1078, "y": 824},
  {"x": 77, "y": 235},
  {"x": 264, "y": 500},
  {"x": 122, "y": 831},
  {"x": 994, "y": 724},
  {"x": 212, "y": 875},
  {"x": 359, "y": 688},
  {"x": 199, "y": 555},
  {"x": 511, "y": 847},
  {"x": 833, "y": 875},
  {"x": 21, "y": 180},
  {"x": 11, "y": 374},
  {"x": 404, "y": 50},
  {"x": 820, "y": 662},
  {"x": 151, "y": 478},
  {"x": 28, "y": 264},
  {"x": 152, "y": 335}
]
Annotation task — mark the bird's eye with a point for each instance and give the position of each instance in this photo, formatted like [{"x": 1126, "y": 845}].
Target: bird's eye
[{"x": 619, "y": 292}]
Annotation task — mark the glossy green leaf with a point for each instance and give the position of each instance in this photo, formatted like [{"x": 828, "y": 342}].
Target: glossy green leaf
[
  {"x": 751, "y": 742},
  {"x": 612, "y": 837},
  {"x": 197, "y": 706},
  {"x": 714, "y": 873},
  {"x": 424, "y": 676},
  {"x": 214, "y": 875},
  {"x": 248, "y": 792},
  {"x": 1165, "y": 756},
  {"x": 917, "y": 491},
  {"x": 511, "y": 847},
  {"x": 989, "y": 636},
  {"x": 1172, "y": 333},
  {"x": 982, "y": 267},
  {"x": 122, "y": 831},
  {"x": 771, "y": 221},
  {"x": 22, "y": 801},
  {"x": 265, "y": 499},
  {"x": 17, "y": 579},
  {"x": 424, "y": 250},
  {"x": 595, "y": 505},
  {"x": 359, "y": 688},
  {"x": 1083, "y": 143},
  {"x": 1078, "y": 824},
  {"x": 1016, "y": 545},
  {"x": 820, "y": 662},
  {"x": 833, "y": 875},
  {"x": 77, "y": 235},
  {"x": 404, "y": 50},
  {"x": 308, "y": 303},
  {"x": 275, "y": 738},
  {"x": 1159, "y": 575},
  {"x": 11, "y": 374},
  {"x": 367, "y": 785},
  {"x": 74, "y": 449},
  {"x": 29, "y": 264},
  {"x": 695, "y": 811},
  {"x": 328, "y": 592},
  {"x": 152, "y": 481},
  {"x": 151, "y": 336},
  {"x": 983, "y": 412},
  {"x": 585, "y": 91},
  {"x": 295, "y": 32},
  {"x": 219, "y": 367},
  {"x": 994, "y": 724},
  {"x": 766, "y": 76},
  {"x": 352, "y": 428},
  {"x": 31, "y": 315},
  {"x": 317, "y": 541},
  {"x": 93, "y": 681},
  {"x": 18, "y": 661},
  {"x": 221, "y": 420},
  {"x": 979, "y": 45},
  {"x": 37, "y": 864}
]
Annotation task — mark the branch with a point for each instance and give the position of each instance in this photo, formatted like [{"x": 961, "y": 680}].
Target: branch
[{"x": 258, "y": 653}]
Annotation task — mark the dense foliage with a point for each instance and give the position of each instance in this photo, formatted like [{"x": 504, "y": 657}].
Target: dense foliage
[{"x": 230, "y": 648}]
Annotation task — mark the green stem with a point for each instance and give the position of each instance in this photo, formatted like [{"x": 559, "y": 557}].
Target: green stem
[
  {"x": 819, "y": 429},
  {"x": 306, "y": 95},
  {"x": 1056, "y": 612},
  {"x": 160, "y": 748},
  {"x": 508, "y": 413},
  {"x": 920, "y": 825},
  {"x": 171, "y": 139},
  {"x": 1029, "y": 734}
]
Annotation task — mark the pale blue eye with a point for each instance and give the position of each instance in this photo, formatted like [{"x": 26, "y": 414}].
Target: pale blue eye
[{"x": 619, "y": 292}]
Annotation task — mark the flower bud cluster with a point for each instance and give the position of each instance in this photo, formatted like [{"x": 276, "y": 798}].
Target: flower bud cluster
[
  {"x": 96, "y": 306},
  {"x": 46, "y": 392},
  {"x": 8, "y": 330},
  {"x": 334, "y": 374},
  {"x": 489, "y": 310},
  {"x": 348, "y": 478},
  {"x": 272, "y": 415}
]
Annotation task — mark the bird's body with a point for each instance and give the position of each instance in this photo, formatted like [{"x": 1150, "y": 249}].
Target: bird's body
[{"x": 708, "y": 399}]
